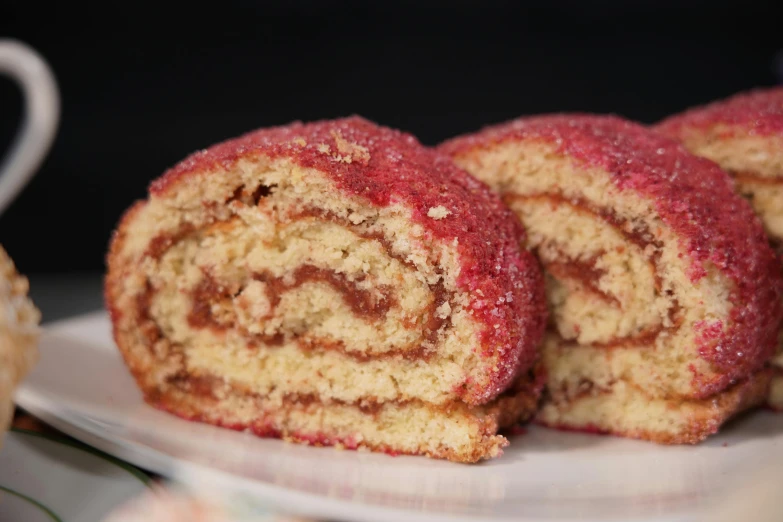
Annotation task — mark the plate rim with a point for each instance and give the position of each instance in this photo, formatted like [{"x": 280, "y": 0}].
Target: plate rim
[
  {"x": 72, "y": 445},
  {"x": 30, "y": 500},
  {"x": 286, "y": 499}
]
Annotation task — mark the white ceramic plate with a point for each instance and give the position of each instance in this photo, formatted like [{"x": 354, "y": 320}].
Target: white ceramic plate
[
  {"x": 46, "y": 479},
  {"x": 82, "y": 387}
]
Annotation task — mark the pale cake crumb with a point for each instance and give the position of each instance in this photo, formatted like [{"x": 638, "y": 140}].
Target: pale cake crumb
[
  {"x": 351, "y": 151},
  {"x": 438, "y": 212}
]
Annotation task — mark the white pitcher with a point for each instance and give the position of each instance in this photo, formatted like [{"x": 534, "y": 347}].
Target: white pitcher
[{"x": 41, "y": 117}]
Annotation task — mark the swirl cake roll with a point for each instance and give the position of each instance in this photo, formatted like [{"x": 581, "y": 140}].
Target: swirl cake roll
[
  {"x": 332, "y": 283},
  {"x": 664, "y": 294},
  {"x": 19, "y": 331},
  {"x": 744, "y": 135}
]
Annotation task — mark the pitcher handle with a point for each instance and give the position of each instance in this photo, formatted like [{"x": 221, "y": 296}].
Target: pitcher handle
[{"x": 41, "y": 117}]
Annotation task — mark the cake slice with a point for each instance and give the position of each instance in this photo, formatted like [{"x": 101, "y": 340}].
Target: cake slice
[
  {"x": 744, "y": 135},
  {"x": 664, "y": 294},
  {"x": 19, "y": 320},
  {"x": 331, "y": 283}
]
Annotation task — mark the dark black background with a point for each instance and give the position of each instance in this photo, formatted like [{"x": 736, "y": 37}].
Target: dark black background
[{"x": 144, "y": 85}]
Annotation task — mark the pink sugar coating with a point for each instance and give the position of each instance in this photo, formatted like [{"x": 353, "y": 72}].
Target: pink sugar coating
[
  {"x": 505, "y": 284},
  {"x": 696, "y": 199},
  {"x": 758, "y": 112}
]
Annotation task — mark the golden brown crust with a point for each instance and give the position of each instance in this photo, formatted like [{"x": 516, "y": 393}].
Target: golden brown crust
[
  {"x": 697, "y": 419},
  {"x": 213, "y": 402}
]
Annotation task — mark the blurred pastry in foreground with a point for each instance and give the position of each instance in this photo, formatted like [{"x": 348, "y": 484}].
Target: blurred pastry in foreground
[
  {"x": 332, "y": 283},
  {"x": 175, "y": 503},
  {"x": 19, "y": 330},
  {"x": 744, "y": 135},
  {"x": 664, "y": 294}
]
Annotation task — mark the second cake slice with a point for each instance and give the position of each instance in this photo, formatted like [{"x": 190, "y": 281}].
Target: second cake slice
[
  {"x": 744, "y": 135},
  {"x": 664, "y": 294}
]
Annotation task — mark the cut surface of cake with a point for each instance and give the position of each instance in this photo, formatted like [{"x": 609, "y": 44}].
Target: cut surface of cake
[
  {"x": 331, "y": 283},
  {"x": 19, "y": 331},
  {"x": 664, "y": 294},
  {"x": 744, "y": 135}
]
